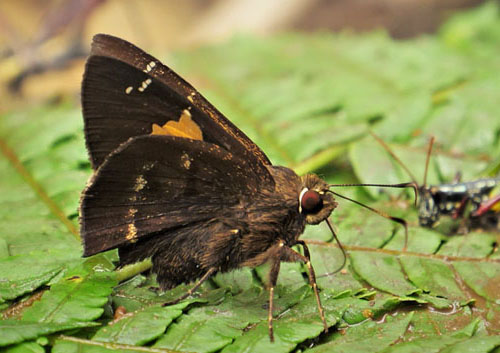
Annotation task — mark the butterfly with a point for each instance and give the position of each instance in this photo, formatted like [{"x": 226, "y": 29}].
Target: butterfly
[{"x": 175, "y": 181}]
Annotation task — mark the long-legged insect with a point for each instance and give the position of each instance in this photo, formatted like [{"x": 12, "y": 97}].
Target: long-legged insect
[{"x": 452, "y": 199}]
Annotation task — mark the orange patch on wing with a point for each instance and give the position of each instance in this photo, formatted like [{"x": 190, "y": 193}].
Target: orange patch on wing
[{"x": 185, "y": 127}]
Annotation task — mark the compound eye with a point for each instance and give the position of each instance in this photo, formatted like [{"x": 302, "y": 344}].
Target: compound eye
[{"x": 311, "y": 201}]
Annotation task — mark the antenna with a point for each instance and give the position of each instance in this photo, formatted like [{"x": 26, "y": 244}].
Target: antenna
[
  {"x": 428, "y": 158},
  {"x": 380, "y": 213},
  {"x": 396, "y": 158},
  {"x": 412, "y": 184}
]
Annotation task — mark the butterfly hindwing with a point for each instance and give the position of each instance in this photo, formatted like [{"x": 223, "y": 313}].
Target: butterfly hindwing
[
  {"x": 153, "y": 184},
  {"x": 125, "y": 91},
  {"x": 177, "y": 182}
]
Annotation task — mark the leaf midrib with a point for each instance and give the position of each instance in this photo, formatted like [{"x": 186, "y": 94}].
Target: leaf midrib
[{"x": 14, "y": 161}]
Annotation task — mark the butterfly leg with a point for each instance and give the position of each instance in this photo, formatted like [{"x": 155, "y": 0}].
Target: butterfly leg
[
  {"x": 287, "y": 254},
  {"x": 312, "y": 282},
  {"x": 206, "y": 276},
  {"x": 275, "y": 255},
  {"x": 273, "y": 278}
]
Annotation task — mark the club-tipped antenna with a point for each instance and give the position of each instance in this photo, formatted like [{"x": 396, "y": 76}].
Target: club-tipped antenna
[
  {"x": 412, "y": 184},
  {"x": 428, "y": 158},
  {"x": 380, "y": 213},
  {"x": 396, "y": 158}
]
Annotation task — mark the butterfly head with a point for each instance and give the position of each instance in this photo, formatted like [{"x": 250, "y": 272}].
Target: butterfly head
[{"x": 315, "y": 203}]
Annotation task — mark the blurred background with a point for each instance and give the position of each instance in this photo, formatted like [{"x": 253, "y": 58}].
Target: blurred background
[{"x": 43, "y": 43}]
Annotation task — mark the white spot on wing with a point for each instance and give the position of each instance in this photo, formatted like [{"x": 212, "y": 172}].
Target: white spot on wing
[
  {"x": 145, "y": 85},
  {"x": 186, "y": 160},
  {"x": 148, "y": 166},
  {"x": 149, "y": 67},
  {"x": 140, "y": 183},
  {"x": 129, "y": 89}
]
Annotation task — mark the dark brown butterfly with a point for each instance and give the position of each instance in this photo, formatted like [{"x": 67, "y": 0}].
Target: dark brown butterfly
[{"x": 178, "y": 182}]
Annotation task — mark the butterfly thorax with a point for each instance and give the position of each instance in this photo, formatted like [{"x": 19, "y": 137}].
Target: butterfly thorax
[
  {"x": 275, "y": 215},
  {"x": 271, "y": 215}
]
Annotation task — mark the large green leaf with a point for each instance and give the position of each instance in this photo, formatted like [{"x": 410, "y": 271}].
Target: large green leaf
[
  {"x": 308, "y": 101},
  {"x": 79, "y": 296},
  {"x": 15, "y": 331}
]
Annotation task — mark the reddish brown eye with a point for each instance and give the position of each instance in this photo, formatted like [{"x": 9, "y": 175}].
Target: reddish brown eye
[{"x": 311, "y": 201}]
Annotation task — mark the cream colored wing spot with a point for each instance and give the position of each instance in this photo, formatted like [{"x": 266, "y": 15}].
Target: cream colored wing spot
[
  {"x": 129, "y": 89},
  {"x": 131, "y": 233},
  {"x": 148, "y": 166},
  {"x": 140, "y": 183},
  {"x": 131, "y": 229},
  {"x": 186, "y": 161},
  {"x": 145, "y": 85},
  {"x": 149, "y": 67},
  {"x": 185, "y": 127}
]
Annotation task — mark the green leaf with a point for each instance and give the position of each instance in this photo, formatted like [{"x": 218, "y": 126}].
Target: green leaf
[
  {"x": 482, "y": 277},
  {"x": 26, "y": 347},
  {"x": 140, "y": 327},
  {"x": 15, "y": 331},
  {"x": 296, "y": 325},
  {"x": 433, "y": 276},
  {"x": 474, "y": 244},
  {"x": 326, "y": 260},
  {"x": 79, "y": 296},
  {"x": 71, "y": 344},
  {"x": 369, "y": 230},
  {"x": 238, "y": 280},
  {"x": 475, "y": 344},
  {"x": 291, "y": 276},
  {"x": 210, "y": 328},
  {"x": 13, "y": 289},
  {"x": 383, "y": 272},
  {"x": 432, "y": 344},
  {"x": 420, "y": 240},
  {"x": 371, "y": 336}
]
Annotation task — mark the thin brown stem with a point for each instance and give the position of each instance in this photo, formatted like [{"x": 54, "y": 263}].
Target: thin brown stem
[{"x": 406, "y": 253}]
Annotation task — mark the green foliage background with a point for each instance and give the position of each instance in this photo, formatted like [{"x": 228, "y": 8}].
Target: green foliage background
[{"x": 309, "y": 102}]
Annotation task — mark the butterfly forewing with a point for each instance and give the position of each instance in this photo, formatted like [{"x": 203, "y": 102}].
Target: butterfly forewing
[
  {"x": 125, "y": 91},
  {"x": 177, "y": 182},
  {"x": 154, "y": 184}
]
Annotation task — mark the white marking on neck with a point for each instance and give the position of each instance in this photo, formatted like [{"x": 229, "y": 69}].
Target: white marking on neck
[{"x": 304, "y": 190}]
